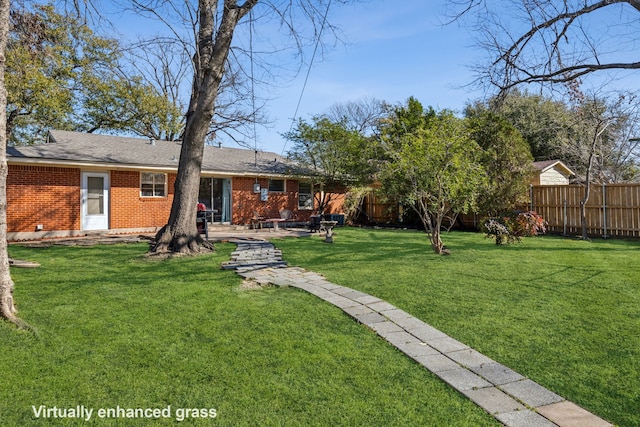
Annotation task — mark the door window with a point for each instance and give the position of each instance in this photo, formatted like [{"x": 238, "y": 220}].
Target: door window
[{"x": 95, "y": 195}]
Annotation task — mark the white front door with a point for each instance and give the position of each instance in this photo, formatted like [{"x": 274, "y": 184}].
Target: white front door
[{"x": 94, "y": 196}]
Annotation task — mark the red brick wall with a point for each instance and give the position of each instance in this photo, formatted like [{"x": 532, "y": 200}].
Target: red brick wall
[
  {"x": 51, "y": 196},
  {"x": 130, "y": 210},
  {"x": 43, "y": 195},
  {"x": 246, "y": 202}
]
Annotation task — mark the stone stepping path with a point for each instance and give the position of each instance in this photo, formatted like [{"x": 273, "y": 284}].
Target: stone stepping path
[{"x": 511, "y": 398}]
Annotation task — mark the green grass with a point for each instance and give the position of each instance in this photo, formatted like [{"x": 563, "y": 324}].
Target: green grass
[
  {"x": 563, "y": 312},
  {"x": 114, "y": 329}
]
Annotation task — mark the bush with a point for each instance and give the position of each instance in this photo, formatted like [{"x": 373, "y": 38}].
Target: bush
[{"x": 510, "y": 228}]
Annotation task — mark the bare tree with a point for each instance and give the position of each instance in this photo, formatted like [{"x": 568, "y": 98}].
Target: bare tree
[
  {"x": 362, "y": 116},
  {"x": 619, "y": 157},
  {"x": 7, "y": 306},
  {"x": 597, "y": 121},
  {"x": 214, "y": 24},
  {"x": 552, "y": 41},
  {"x": 600, "y": 123}
]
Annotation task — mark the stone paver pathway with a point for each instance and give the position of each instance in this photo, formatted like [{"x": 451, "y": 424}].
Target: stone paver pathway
[{"x": 511, "y": 398}]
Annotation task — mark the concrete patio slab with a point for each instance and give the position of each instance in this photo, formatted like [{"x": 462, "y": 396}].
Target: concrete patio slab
[
  {"x": 524, "y": 418},
  {"x": 341, "y": 302},
  {"x": 568, "y": 414},
  {"x": 493, "y": 401},
  {"x": 330, "y": 286},
  {"x": 446, "y": 345},
  {"x": 357, "y": 310},
  {"x": 409, "y": 323},
  {"x": 370, "y": 318},
  {"x": 462, "y": 379},
  {"x": 398, "y": 338},
  {"x": 427, "y": 333},
  {"x": 367, "y": 299},
  {"x": 437, "y": 362},
  {"x": 395, "y": 314},
  {"x": 530, "y": 393},
  {"x": 385, "y": 327},
  {"x": 496, "y": 373},
  {"x": 417, "y": 349},
  {"x": 381, "y": 306},
  {"x": 469, "y": 358}
]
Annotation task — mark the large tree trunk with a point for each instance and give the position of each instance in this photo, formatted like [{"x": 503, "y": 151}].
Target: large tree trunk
[
  {"x": 213, "y": 45},
  {"x": 181, "y": 233},
  {"x": 7, "y": 306}
]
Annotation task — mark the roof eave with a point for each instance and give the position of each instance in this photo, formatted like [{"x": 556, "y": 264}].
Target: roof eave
[{"x": 134, "y": 167}]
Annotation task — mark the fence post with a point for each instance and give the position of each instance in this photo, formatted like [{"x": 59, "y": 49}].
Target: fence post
[
  {"x": 530, "y": 197},
  {"x": 604, "y": 210},
  {"x": 564, "y": 217}
]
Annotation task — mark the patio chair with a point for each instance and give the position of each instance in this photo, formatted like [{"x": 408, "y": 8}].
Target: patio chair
[
  {"x": 288, "y": 217},
  {"x": 257, "y": 220}
]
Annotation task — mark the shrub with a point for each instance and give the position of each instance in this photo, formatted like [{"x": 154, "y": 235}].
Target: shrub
[{"x": 511, "y": 227}]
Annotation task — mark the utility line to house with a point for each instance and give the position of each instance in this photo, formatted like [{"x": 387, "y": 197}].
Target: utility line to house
[{"x": 306, "y": 79}]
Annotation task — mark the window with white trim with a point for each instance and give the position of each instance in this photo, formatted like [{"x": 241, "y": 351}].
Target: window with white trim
[
  {"x": 153, "y": 184},
  {"x": 305, "y": 196}
]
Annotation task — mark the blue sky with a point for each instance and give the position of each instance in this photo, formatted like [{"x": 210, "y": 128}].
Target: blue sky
[{"x": 394, "y": 50}]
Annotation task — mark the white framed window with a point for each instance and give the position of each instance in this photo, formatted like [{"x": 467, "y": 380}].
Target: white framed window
[
  {"x": 305, "y": 196},
  {"x": 153, "y": 184},
  {"x": 276, "y": 186}
]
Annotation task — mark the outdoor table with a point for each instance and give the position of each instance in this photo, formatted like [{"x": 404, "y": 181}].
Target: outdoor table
[{"x": 275, "y": 222}]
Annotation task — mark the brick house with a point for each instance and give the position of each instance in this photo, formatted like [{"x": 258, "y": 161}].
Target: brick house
[{"x": 78, "y": 183}]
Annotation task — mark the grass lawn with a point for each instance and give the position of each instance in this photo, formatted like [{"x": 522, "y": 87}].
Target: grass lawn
[
  {"x": 115, "y": 330},
  {"x": 563, "y": 312}
]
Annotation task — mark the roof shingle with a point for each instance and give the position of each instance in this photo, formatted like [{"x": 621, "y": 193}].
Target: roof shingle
[{"x": 71, "y": 148}]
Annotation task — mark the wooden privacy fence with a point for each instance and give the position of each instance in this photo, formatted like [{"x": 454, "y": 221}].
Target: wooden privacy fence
[{"x": 613, "y": 210}]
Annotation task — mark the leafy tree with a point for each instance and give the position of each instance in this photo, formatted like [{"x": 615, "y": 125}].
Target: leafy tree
[
  {"x": 547, "y": 125},
  {"x": 560, "y": 130},
  {"x": 404, "y": 120},
  {"x": 433, "y": 167},
  {"x": 506, "y": 159},
  {"x": 330, "y": 154},
  {"x": 48, "y": 57},
  {"x": 120, "y": 104},
  {"x": 60, "y": 74}
]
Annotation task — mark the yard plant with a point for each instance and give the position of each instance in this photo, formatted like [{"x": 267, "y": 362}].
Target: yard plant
[{"x": 563, "y": 312}]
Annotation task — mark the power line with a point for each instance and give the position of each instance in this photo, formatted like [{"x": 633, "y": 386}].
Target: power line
[
  {"x": 306, "y": 78},
  {"x": 253, "y": 91}
]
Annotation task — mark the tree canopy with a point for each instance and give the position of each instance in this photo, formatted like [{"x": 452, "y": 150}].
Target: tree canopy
[
  {"x": 331, "y": 154},
  {"x": 432, "y": 166},
  {"x": 506, "y": 159},
  {"x": 60, "y": 74}
]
